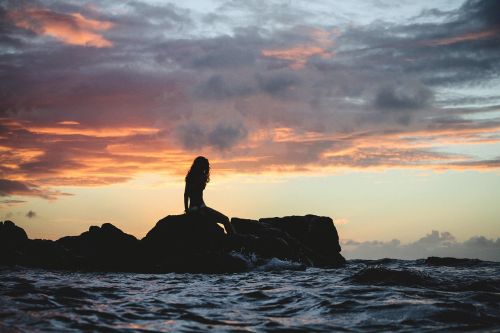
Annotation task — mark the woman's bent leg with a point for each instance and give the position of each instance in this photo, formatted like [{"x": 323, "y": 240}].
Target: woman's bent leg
[{"x": 220, "y": 218}]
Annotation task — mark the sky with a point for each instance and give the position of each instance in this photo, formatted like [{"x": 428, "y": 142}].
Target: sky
[{"x": 384, "y": 115}]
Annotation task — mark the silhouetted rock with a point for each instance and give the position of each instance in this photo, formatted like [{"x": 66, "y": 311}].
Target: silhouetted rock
[
  {"x": 256, "y": 238},
  {"x": 179, "y": 243},
  {"x": 453, "y": 262},
  {"x": 316, "y": 232},
  {"x": 189, "y": 243},
  {"x": 310, "y": 239},
  {"x": 12, "y": 241},
  {"x": 11, "y": 234},
  {"x": 106, "y": 248},
  {"x": 48, "y": 254},
  {"x": 187, "y": 233}
]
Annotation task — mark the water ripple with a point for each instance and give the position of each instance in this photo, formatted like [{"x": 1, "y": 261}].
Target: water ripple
[{"x": 381, "y": 295}]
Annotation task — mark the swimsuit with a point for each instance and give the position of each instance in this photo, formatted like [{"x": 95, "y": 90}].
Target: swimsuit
[{"x": 195, "y": 208}]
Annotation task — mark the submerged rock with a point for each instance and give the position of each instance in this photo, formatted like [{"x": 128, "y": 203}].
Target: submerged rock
[{"x": 180, "y": 243}]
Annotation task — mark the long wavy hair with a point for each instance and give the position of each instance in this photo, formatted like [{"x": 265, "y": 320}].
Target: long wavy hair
[{"x": 201, "y": 169}]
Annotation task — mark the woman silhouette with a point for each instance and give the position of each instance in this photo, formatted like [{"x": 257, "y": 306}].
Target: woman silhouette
[{"x": 196, "y": 181}]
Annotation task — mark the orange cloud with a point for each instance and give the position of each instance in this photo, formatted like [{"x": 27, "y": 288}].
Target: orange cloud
[
  {"x": 73, "y": 28},
  {"x": 299, "y": 54},
  {"x": 463, "y": 38},
  {"x": 68, "y": 154},
  {"x": 68, "y": 122},
  {"x": 99, "y": 133}
]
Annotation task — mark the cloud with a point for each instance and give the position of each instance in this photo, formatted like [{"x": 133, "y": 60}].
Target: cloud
[
  {"x": 8, "y": 187},
  {"x": 471, "y": 36},
  {"x": 12, "y": 187},
  {"x": 192, "y": 136},
  {"x": 402, "y": 95},
  {"x": 216, "y": 87},
  {"x": 481, "y": 164},
  {"x": 11, "y": 202},
  {"x": 481, "y": 11},
  {"x": 221, "y": 137},
  {"x": 230, "y": 54},
  {"x": 225, "y": 136},
  {"x": 436, "y": 243},
  {"x": 297, "y": 56},
  {"x": 319, "y": 45},
  {"x": 279, "y": 86},
  {"x": 31, "y": 214},
  {"x": 72, "y": 28}
]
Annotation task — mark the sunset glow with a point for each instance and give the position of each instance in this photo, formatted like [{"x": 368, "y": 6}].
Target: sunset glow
[
  {"x": 386, "y": 120},
  {"x": 298, "y": 55},
  {"x": 70, "y": 28}
]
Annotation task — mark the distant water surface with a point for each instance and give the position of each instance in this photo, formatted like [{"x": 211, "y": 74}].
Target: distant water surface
[{"x": 365, "y": 296}]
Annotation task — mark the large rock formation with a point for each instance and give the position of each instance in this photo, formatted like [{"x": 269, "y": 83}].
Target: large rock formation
[
  {"x": 180, "y": 243},
  {"x": 12, "y": 238},
  {"x": 188, "y": 243},
  {"x": 310, "y": 239},
  {"x": 104, "y": 248}
]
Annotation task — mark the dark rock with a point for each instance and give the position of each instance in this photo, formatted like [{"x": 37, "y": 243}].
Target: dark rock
[
  {"x": 316, "y": 232},
  {"x": 266, "y": 243},
  {"x": 247, "y": 226},
  {"x": 189, "y": 243},
  {"x": 310, "y": 239},
  {"x": 179, "y": 243},
  {"x": 11, "y": 234},
  {"x": 185, "y": 233},
  {"x": 106, "y": 248},
  {"x": 13, "y": 239},
  {"x": 47, "y": 254},
  {"x": 453, "y": 262}
]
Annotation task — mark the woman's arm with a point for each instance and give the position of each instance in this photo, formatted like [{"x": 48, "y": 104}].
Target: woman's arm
[{"x": 186, "y": 199}]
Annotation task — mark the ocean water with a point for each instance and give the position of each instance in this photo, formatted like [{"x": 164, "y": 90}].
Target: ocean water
[{"x": 276, "y": 296}]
